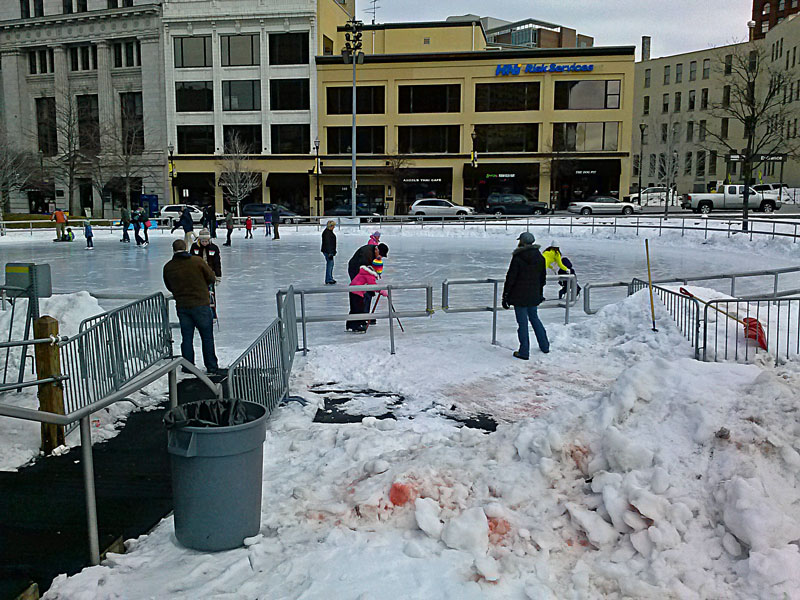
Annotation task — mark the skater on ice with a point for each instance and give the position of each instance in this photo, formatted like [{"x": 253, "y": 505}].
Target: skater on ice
[
  {"x": 61, "y": 222},
  {"x": 89, "y": 235},
  {"x": 565, "y": 284},
  {"x": 188, "y": 278},
  {"x": 524, "y": 290},
  {"x": 125, "y": 219},
  {"x": 329, "y": 251},
  {"x": 248, "y": 228},
  {"x": 267, "y": 223},
  {"x": 359, "y": 303},
  {"x": 374, "y": 239},
  {"x": 552, "y": 258},
  {"x": 228, "y": 227},
  {"x": 187, "y": 224},
  {"x": 364, "y": 257},
  {"x": 208, "y": 251}
]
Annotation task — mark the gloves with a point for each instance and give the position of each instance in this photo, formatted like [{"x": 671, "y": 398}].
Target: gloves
[
  {"x": 384, "y": 293},
  {"x": 505, "y": 303}
]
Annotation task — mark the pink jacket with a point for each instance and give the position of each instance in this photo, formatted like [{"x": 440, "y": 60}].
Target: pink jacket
[
  {"x": 374, "y": 240},
  {"x": 366, "y": 276}
]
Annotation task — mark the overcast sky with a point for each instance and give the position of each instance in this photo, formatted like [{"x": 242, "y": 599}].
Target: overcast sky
[{"x": 675, "y": 25}]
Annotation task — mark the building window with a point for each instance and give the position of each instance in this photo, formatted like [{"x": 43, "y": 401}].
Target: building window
[
  {"x": 194, "y": 96},
  {"x": 369, "y": 140},
  {"x": 195, "y": 139},
  {"x": 498, "y": 97},
  {"x": 637, "y": 164},
  {"x": 370, "y": 100},
  {"x": 66, "y": 7},
  {"x": 88, "y": 123},
  {"x": 192, "y": 52},
  {"x": 24, "y": 9},
  {"x": 677, "y": 102},
  {"x": 723, "y": 128},
  {"x": 765, "y": 9},
  {"x": 83, "y": 58},
  {"x": 46, "y": 126},
  {"x": 665, "y": 103},
  {"x": 585, "y": 137},
  {"x": 664, "y": 133},
  {"x": 692, "y": 100},
  {"x": 288, "y": 48},
  {"x": 712, "y": 163},
  {"x": 764, "y": 26},
  {"x": 701, "y": 133},
  {"x": 706, "y": 68},
  {"x": 327, "y": 46},
  {"x": 38, "y": 8},
  {"x": 241, "y": 95},
  {"x": 429, "y": 98},
  {"x": 587, "y": 95},
  {"x": 726, "y": 96},
  {"x": 700, "y": 162},
  {"x": 666, "y": 75},
  {"x": 240, "y": 50},
  {"x": 704, "y": 99},
  {"x": 429, "y": 139},
  {"x": 517, "y": 137},
  {"x": 651, "y": 172},
  {"x": 249, "y": 137},
  {"x": 781, "y": 5},
  {"x": 693, "y": 70},
  {"x": 127, "y": 54},
  {"x": 288, "y": 94},
  {"x": 687, "y": 164},
  {"x": 646, "y": 106},
  {"x": 690, "y": 131},
  {"x": 81, "y": 6},
  {"x": 679, "y": 73},
  {"x": 291, "y": 139},
  {"x": 647, "y": 78},
  {"x": 40, "y": 61},
  {"x": 728, "y": 64},
  {"x": 132, "y": 122}
]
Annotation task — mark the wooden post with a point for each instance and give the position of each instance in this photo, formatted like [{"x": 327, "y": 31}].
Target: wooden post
[{"x": 51, "y": 395}]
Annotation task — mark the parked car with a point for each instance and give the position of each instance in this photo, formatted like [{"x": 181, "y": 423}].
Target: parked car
[
  {"x": 515, "y": 204},
  {"x": 603, "y": 205},
  {"x": 653, "y": 195},
  {"x": 436, "y": 207},
  {"x": 778, "y": 191},
  {"x": 731, "y": 197},
  {"x": 173, "y": 212},
  {"x": 258, "y": 210},
  {"x": 344, "y": 210}
]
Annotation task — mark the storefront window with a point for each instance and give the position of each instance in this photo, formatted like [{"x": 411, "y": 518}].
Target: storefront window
[{"x": 369, "y": 198}]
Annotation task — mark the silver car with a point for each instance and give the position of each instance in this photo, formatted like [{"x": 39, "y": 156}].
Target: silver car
[
  {"x": 603, "y": 205},
  {"x": 436, "y": 207}
]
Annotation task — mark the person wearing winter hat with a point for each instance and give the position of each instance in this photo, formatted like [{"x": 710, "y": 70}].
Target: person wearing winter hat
[
  {"x": 208, "y": 251},
  {"x": 329, "y": 251},
  {"x": 374, "y": 239},
  {"x": 524, "y": 290},
  {"x": 377, "y": 266},
  {"x": 359, "y": 301}
]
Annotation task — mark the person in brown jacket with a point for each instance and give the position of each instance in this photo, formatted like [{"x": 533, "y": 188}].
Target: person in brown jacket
[{"x": 188, "y": 278}]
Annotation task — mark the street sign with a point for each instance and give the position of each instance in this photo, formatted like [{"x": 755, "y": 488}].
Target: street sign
[
  {"x": 781, "y": 158},
  {"x": 734, "y": 157}
]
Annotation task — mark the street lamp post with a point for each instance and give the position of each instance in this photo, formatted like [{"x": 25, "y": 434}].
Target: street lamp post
[
  {"x": 474, "y": 137},
  {"x": 171, "y": 149},
  {"x": 642, "y": 129},
  {"x": 352, "y": 53},
  {"x": 316, "y": 171}
]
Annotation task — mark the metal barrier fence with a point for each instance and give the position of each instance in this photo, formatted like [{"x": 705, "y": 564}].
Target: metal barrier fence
[
  {"x": 572, "y": 291},
  {"x": 724, "y": 337},
  {"x": 261, "y": 374},
  {"x": 391, "y": 313},
  {"x": 733, "y": 278},
  {"x": 683, "y": 309}
]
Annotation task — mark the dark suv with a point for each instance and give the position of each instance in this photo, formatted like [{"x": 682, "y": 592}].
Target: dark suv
[{"x": 515, "y": 204}]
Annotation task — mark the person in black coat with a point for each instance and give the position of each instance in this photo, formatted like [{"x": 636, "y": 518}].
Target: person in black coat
[
  {"x": 363, "y": 257},
  {"x": 329, "y": 251},
  {"x": 524, "y": 290}
]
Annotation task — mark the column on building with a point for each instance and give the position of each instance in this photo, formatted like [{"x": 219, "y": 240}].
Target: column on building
[
  {"x": 266, "y": 134},
  {"x": 106, "y": 111},
  {"x": 19, "y": 119},
  {"x": 63, "y": 102},
  {"x": 153, "y": 102}
]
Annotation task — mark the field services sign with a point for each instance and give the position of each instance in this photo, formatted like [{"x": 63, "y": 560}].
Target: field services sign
[{"x": 517, "y": 69}]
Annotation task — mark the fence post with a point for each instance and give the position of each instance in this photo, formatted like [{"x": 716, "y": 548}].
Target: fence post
[
  {"x": 303, "y": 314},
  {"x": 637, "y": 226},
  {"x": 173, "y": 388},
  {"x": 51, "y": 395},
  {"x": 391, "y": 317},
  {"x": 494, "y": 316},
  {"x": 88, "y": 483},
  {"x": 733, "y": 286}
]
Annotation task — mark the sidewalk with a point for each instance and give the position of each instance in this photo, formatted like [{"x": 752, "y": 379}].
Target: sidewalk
[{"x": 42, "y": 507}]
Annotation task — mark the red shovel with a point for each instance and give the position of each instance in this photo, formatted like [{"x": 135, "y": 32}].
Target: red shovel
[{"x": 753, "y": 330}]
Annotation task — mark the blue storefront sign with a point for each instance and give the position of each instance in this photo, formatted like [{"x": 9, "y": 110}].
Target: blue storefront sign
[{"x": 517, "y": 69}]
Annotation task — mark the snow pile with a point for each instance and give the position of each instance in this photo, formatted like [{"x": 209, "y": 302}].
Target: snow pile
[
  {"x": 665, "y": 478},
  {"x": 21, "y": 439}
]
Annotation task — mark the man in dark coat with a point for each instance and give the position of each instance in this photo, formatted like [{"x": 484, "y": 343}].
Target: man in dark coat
[
  {"x": 524, "y": 290},
  {"x": 188, "y": 278},
  {"x": 329, "y": 251},
  {"x": 210, "y": 220}
]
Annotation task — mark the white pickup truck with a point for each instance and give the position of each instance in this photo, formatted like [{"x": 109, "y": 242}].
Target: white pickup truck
[{"x": 731, "y": 197}]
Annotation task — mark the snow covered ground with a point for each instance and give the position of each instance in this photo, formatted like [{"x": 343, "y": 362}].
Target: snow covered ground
[{"x": 619, "y": 468}]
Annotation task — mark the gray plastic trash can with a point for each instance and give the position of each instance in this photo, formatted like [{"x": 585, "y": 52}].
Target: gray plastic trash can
[{"x": 216, "y": 480}]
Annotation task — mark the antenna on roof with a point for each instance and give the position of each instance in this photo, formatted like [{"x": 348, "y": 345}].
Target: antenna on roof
[{"x": 373, "y": 9}]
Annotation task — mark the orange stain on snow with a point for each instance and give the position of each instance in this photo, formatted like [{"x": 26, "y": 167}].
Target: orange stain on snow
[{"x": 401, "y": 494}]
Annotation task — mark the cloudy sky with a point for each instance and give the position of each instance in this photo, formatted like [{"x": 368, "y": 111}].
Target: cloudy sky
[{"x": 675, "y": 25}]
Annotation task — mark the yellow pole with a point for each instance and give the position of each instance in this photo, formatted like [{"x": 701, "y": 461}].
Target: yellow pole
[{"x": 650, "y": 282}]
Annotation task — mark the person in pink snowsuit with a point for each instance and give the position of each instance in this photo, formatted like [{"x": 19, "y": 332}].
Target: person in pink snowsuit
[
  {"x": 367, "y": 275},
  {"x": 374, "y": 239}
]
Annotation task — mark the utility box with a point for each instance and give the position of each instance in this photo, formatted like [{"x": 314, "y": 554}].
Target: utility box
[{"x": 26, "y": 276}]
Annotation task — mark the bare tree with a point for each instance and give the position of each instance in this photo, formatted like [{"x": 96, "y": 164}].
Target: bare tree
[
  {"x": 15, "y": 169},
  {"x": 236, "y": 178},
  {"x": 71, "y": 158},
  {"x": 396, "y": 165},
  {"x": 754, "y": 95}
]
